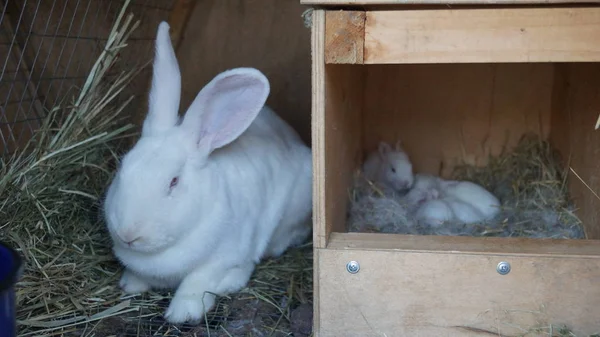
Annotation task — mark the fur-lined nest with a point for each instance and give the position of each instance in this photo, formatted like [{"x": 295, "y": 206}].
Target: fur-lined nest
[
  {"x": 529, "y": 181},
  {"x": 50, "y": 194}
]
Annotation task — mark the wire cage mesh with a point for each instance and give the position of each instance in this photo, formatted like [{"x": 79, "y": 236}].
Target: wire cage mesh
[{"x": 47, "y": 48}]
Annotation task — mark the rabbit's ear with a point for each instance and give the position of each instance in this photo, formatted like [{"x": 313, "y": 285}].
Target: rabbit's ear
[
  {"x": 384, "y": 148},
  {"x": 165, "y": 92},
  {"x": 226, "y": 107},
  {"x": 398, "y": 146}
]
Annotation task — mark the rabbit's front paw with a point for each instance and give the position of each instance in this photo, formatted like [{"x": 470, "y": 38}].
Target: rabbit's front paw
[
  {"x": 189, "y": 308},
  {"x": 132, "y": 284}
]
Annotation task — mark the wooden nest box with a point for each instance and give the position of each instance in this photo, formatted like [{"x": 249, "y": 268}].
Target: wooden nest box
[{"x": 454, "y": 84}]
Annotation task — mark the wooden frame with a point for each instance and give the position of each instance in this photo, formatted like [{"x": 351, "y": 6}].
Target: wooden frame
[
  {"x": 429, "y": 285},
  {"x": 438, "y": 36}
]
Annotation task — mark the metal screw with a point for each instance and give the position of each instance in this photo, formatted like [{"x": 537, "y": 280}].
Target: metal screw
[
  {"x": 352, "y": 267},
  {"x": 503, "y": 268}
]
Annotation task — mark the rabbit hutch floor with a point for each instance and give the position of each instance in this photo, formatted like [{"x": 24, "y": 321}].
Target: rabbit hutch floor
[
  {"x": 528, "y": 180},
  {"x": 277, "y": 302}
]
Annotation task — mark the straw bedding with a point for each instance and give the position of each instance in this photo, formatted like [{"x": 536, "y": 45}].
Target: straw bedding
[
  {"x": 528, "y": 180},
  {"x": 50, "y": 193}
]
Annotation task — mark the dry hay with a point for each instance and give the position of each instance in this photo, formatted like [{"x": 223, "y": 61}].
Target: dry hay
[
  {"x": 529, "y": 182},
  {"x": 49, "y": 199}
]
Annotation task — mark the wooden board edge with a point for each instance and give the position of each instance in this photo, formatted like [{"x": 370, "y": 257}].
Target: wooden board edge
[
  {"x": 318, "y": 128},
  {"x": 506, "y": 35},
  {"x": 316, "y": 293},
  {"x": 344, "y": 37},
  {"x": 439, "y": 2},
  {"x": 579, "y": 248}
]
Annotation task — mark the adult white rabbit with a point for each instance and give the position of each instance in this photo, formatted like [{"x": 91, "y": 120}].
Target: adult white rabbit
[{"x": 199, "y": 200}]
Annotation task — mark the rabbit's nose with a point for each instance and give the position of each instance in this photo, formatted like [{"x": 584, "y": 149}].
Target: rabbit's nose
[
  {"x": 132, "y": 241},
  {"x": 129, "y": 237},
  {"x": 402, "y": 185}
]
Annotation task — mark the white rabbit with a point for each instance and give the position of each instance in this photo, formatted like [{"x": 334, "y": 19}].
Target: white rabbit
[
  {"x": 462, "y": 201},
  {"x": 390, "y": 167},
  {"x": 199, "y": 200},
  {"x": 480, "y": 199},
  {"x": 435, "y": 212},
  {"x": 425, "y": 187}
]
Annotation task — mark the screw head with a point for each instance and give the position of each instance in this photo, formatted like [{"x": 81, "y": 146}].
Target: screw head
[
  {"x": 503, "y": 268},
  {"x": 352, "y": 267}
]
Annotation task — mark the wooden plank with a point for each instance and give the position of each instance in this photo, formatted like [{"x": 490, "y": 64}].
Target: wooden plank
[
  {"x": 344, "y": 136},
  {"x": 344, "y": 36},
  {"x": 482, "y": 35},
  {"x": 443, "y": 293},
  {"x": 338, "y": 92},
  {"x": 484, "y": 110},
  {"x": 465, "y": 245},
  {"x": 440, "y": 2},
  {"x": 337, "y": 99},
  {"x": 268, "y": 35},
  {"x": 318, "y": 147},
  {"x": 178, "y": 18},
  {"x": 318, "y": 128},
  {"x": 580, "y": 114}
]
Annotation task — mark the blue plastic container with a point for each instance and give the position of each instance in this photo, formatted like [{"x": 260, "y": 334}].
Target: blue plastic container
[{"x": 10, "y": 272}]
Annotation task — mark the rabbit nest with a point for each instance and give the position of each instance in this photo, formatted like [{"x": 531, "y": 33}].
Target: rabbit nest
[{"x": 528, "y": 181}]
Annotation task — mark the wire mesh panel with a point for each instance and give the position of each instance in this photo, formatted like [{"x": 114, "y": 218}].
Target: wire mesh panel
[{"x": 47, "y": 48}]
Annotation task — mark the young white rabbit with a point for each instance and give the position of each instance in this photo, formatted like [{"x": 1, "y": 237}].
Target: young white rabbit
[
  {"x": 462, "y": 201},
  {"x": 481, "y": 200},
  {"x": 390, "y": 167},
  {"x": 425, "y": 187},
  {"x": 198, "y": 201},
  {"x": 434, "y": 212},
  {"x": 433, "y": 199}
]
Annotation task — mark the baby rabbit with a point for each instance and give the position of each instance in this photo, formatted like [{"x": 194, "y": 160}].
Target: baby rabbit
[
  {"x": 481, "y": 200},
  {"x": 462, "y": 201},
  {"x": 425, "y": 187},
  {"x": 199, "y": 200},
  {"x": 389, "y": 167},
  {"x": 432, "y": 199}
]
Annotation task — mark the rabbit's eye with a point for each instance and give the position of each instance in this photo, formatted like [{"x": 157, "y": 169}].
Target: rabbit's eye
[
  {"x": 174, "y": 182},
  {"x": 393, "y": 170}
]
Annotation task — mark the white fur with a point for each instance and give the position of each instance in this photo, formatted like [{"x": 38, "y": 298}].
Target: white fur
[
  {"x": 425, "y": 187},
  {"x": 244, "y": 189},
  {"x": 389, "y": 167},
  {"x": 435, "y": 212},
  {"x": 431, "y": 199},
  {"x": 480, "y": 200},
  {"x": 461, "y": 201}
]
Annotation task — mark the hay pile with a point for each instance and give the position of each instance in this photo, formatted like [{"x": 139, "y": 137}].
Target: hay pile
[
  {"x": 50, "y": 193},
  {"x": 529, "y": 182}
]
